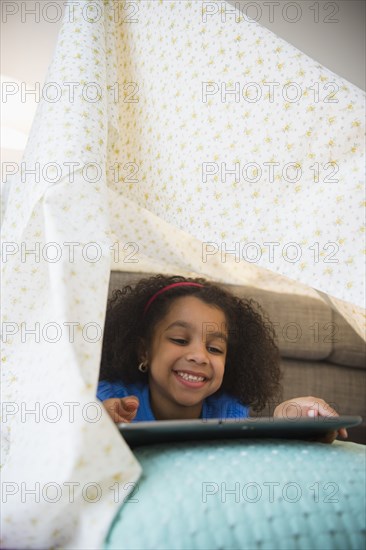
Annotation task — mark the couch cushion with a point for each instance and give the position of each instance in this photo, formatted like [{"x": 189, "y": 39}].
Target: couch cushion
[
  {"x": 343, "y": 388},
  {"x": 300, "y": 321},
  {"x": 348, "y": 347}
]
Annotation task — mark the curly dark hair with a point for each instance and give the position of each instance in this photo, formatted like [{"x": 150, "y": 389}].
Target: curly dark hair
[{"x": 252, "y": 368}]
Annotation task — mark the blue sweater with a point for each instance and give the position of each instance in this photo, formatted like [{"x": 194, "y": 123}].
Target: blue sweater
[{"x": 214, "y": 406}]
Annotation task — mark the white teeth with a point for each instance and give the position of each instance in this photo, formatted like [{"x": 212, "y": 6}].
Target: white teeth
[{"x": 190, "y": 377}]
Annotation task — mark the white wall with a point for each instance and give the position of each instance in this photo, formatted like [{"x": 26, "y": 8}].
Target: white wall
[{"x": 332, "y": 33}]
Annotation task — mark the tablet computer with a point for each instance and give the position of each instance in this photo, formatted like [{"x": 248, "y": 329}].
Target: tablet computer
[{"x": 166, "y": 431}]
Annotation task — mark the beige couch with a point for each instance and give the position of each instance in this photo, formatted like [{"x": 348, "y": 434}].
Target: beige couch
[{"x": 321, "y": 354}]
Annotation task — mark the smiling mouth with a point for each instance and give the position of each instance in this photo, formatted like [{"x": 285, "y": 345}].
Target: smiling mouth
[{"x": 190, "y": 377}]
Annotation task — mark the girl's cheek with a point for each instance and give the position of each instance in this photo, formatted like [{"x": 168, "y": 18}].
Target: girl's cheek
[{"x": 220, "y": 372}]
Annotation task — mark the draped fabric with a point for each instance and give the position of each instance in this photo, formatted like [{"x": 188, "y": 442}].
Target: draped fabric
[{"x": 174, "y": 137}]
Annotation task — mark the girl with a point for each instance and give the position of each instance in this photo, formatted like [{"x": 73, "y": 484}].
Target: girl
[{"x": 178, "y": 348}]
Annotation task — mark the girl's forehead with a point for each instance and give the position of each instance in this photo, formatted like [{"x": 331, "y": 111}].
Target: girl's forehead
[{"x": 192, "y": 309}]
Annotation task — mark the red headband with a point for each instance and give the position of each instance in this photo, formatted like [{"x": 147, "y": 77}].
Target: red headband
[{"x": 174, "y": 285}]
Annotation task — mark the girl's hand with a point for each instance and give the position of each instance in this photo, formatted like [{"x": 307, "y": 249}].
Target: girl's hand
[
  {"x": 310, "y": 407},
  {"x": 122, "y": 409}
]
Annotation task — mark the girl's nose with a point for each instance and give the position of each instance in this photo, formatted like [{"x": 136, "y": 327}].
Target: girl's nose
[{"x": 197, "y": 353}]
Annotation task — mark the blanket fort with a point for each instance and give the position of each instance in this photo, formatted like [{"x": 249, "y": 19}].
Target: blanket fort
[{"x": 174, "y": 137}]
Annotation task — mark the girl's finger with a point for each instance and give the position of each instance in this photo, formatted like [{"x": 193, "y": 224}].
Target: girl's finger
[
  {"x": 117, "y": 415},
  {"x": 127, "y": 408},
  {"x": 326, "y": 410},
  {"x": 343, "y": 433},
  {"x": 130, "y": 403}
]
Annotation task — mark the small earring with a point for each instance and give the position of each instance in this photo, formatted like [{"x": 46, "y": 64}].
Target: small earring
[{"x": 142, "y": 367}]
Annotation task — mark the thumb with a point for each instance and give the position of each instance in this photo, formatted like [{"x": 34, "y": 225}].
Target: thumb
[{"x": 130, "y": 403}]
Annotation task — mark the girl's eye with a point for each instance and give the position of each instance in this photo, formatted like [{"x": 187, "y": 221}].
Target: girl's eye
[
  {"x": 180, "y": 341},
  {"x": 212, "y": 349}
]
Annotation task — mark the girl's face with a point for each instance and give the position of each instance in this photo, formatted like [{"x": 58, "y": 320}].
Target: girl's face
[{"x": 186, "y": 358}]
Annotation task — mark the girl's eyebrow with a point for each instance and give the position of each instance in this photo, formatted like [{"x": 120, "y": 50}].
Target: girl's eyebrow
[
  {"x": 218, "y": 335},
  {"x": 184, "y": 324}
]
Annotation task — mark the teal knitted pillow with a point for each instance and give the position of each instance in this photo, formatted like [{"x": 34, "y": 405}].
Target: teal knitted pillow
[{"x": 265, "y": 494}]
